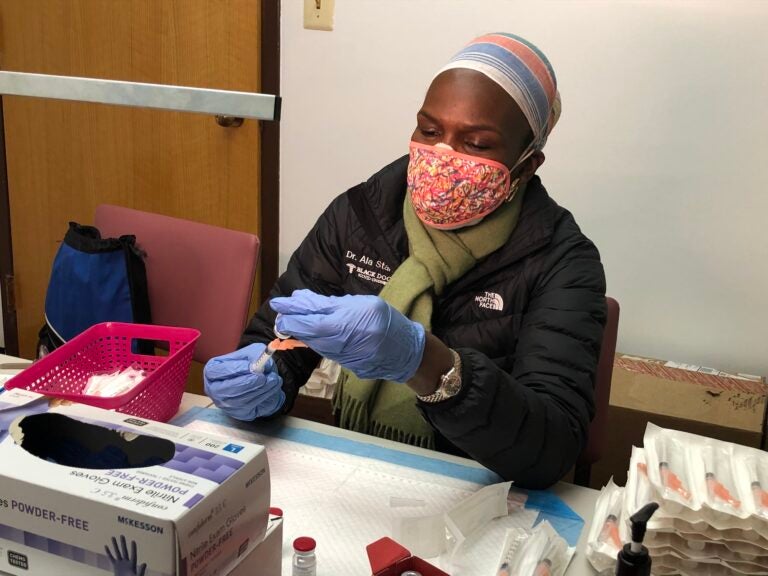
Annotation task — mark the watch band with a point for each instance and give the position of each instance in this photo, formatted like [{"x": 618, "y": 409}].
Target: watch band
[{"x": 450, "y": 383}]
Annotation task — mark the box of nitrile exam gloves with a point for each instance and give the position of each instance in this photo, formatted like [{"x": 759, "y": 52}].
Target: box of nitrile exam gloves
[{"x": 85, "y": 491}]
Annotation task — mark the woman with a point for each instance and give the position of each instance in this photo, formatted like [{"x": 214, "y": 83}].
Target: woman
[{"x": 465, "y": 305}]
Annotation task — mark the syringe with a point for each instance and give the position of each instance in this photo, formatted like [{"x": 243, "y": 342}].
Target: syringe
[
  {"x": 257, "y": 366},
  {"x": 282, "y": 342}
]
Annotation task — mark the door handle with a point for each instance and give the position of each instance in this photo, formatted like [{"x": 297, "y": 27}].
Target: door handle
[{"x": 229, "y": 121}]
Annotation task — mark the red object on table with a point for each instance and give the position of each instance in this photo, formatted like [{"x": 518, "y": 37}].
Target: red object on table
[{"x": 388, "y": 558}]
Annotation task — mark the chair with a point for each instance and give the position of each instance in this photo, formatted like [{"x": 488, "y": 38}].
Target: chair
[
  {"x": 199, "y": 276},
  {"x": 596, "y": 440}
]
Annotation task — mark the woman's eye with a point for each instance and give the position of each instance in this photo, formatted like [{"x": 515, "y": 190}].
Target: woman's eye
[
  {"x": 428, "y": 132},
  {"x": 477, "y": 145}
]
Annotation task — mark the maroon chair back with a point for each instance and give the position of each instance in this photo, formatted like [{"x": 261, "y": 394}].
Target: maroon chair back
[
  {"x": 199, "y": 276},
  {"x": 596, "y": 441}
]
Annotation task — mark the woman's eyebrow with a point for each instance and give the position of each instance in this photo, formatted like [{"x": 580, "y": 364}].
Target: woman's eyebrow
[{"x": 426, "y": 115}]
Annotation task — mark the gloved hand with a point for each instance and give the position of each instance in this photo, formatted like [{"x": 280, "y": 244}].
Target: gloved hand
[
  {"x": 362, "y": 333},
  {"x": 124, "y": 564},
  {"x": 240, "y": 393}
]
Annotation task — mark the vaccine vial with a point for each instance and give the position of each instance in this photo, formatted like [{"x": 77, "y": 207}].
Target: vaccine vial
[{"x": 304, "y": 560}]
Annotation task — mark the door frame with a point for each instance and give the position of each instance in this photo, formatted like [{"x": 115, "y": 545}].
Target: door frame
[
  {"x": 269, "y": 162},
  {"x": 10, "y": 328},
  {"x": 269, "y": 170}
]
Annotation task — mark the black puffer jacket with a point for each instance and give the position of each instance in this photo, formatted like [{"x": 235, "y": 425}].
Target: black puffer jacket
[{"x": 527, "y": 322}]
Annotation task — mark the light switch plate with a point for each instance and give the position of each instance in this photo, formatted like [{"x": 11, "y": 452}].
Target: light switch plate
[{"x": 318, "y": 14}]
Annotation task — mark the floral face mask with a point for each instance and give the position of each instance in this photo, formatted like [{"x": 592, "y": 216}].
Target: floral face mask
[{"x": 451, "y": 190}]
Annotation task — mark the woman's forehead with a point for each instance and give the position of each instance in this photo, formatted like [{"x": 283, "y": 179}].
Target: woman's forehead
[{"x": 468, "y": 97}]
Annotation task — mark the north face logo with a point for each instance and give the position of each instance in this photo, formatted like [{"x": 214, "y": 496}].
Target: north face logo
[{"x": 490, "y": 300}]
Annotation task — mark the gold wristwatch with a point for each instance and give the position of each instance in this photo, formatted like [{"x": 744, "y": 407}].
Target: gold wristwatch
[{"x": 450, "y": 383}]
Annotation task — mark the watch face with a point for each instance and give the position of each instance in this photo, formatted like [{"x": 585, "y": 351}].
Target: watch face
[{"x": 452, "y": 383}]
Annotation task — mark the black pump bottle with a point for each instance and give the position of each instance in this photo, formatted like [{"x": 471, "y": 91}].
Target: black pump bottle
[{"x": 634, "y": 560}]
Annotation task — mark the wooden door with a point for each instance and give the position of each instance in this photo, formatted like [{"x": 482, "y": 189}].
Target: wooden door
[{"x": 65, "y": 158}]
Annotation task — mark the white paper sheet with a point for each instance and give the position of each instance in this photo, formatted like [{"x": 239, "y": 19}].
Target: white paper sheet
[{"x": 344, "y": 502}]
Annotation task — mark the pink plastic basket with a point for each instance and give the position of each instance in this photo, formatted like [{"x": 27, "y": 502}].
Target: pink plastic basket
[{"x": 107, "y": 347}]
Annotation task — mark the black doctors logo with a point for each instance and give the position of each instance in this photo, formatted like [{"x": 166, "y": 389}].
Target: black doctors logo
[{"x": 368, "y": 269}]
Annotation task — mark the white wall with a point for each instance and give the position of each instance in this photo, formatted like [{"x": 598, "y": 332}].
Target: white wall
[{"x": 661, "y": 151}]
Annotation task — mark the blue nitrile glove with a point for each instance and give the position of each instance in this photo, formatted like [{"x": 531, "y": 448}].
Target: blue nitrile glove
[
  {"x": 123, "y": 563},
  {"x": 240, "y": 393},
  {"x": 362, "y": 333}
]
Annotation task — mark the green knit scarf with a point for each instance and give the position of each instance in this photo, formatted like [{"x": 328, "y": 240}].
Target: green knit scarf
[{"x": 437, "y": 258}]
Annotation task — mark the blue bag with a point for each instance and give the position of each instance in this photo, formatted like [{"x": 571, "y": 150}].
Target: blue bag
[{"x": 93, "y": 280}]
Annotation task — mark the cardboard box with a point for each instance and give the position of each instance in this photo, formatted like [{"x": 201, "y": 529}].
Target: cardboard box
[
  {"x": 191, "y": 503},
  {"x": 696, "y": 399}
]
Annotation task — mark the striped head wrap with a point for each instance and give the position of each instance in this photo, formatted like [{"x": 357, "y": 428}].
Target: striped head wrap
[{"x": 522, "y": 71}]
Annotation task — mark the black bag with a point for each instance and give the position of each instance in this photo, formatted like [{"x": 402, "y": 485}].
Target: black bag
[{"x": 94, "y": 280}]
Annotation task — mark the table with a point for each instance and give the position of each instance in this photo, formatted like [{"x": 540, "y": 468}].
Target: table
[{"x": 581, "y": 500}]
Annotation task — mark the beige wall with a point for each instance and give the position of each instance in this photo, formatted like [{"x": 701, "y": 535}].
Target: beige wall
[{"x": 660, "y": 152}]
